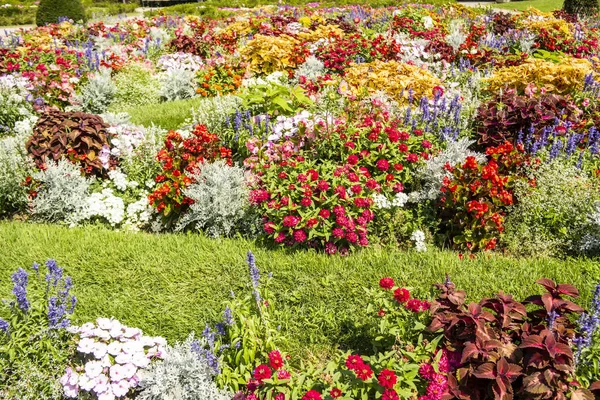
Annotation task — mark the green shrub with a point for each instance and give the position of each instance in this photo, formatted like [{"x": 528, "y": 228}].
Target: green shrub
[
  {"x": 586, "y": 7},
  {"x": 49, "y": 11},
  {"x": 136, "y": 86},
  {"x": 551, "y": 213}
]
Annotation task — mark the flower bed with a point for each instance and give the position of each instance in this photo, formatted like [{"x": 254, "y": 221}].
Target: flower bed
[{"x": 331, "y": 130}]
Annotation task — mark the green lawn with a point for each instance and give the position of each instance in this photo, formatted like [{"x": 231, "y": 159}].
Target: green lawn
[
  {"x": 168, "y": 115},
  {"x": 542, "y": 5},
  {"x": 171, "y": 284}
]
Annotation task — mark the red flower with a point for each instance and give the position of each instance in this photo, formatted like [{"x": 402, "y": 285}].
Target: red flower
[
  {"x": 324, "y": 213},
  {"x": 356, "y": 189},
  {"x": 470, "y": 163},
  {"x": 262, "y": 372},
  {"x": 438, "y": 91},
  {"x": 275, "y": 360},
  {"x": 386, "y": 283},
  {"x": 390, "y": 395},
  {"x": 414, "y": 305},
  {"x": 353, "y": 362},
  {"x": 282, "y": 175},
  {"x": 314, "y": 175},
  {"x": 352, "y": 159},
  {"x": 401, "y": 295},
  {"x": 312, "y": 395},
  {"x": 306, "y": 202},
  {"x": 412, "y": 157},
  {"x": 381, "y": 312},
  {"x": 387, "y": 378},
  {"x": 322, "y": 185},
  {"x": 364, "y": 372},
  {"x": 403, "y": 147},
  {"x": 382, "y": 165},
  {"x": 426, "y": 144},
  {"x": 335, "y": 393},
  {"x": 311, "y": 222}
]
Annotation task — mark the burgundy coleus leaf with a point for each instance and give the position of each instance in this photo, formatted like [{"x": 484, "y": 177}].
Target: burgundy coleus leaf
[
  {"x": 582, "y": 394},
  {"x": 481, "y": 348},
  {"x": 595, "y": 388},
  {"x": 534, "y": 384}
]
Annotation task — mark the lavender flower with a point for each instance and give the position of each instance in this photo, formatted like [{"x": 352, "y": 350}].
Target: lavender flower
[
  {"x": 589, "y": 323},
  {"x": 228, "y": 316},
  {"x": 57, "y": 314},
  {"x": 4, "y": 327},
  {"x": 254, "y": 275},
  {"x": 20, "y": 280}
]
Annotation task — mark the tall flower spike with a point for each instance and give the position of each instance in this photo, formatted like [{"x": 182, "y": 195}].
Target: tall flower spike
[
  {"x": 20, "y": 280},
  {"x": 254, "y": 275},
  {"x": 4, "y": 327}
]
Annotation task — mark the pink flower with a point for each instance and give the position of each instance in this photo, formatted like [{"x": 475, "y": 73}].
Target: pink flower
[
  {"x": 426, "y": 371},
  {"x": 338, "y": 233},
  {"x": 299, "y": 236},
  {"x": 283, "y": 374},
  {"x": 290, "y": 221},
  {"x": 269, "y": 227},
  {"x": 280, "y": 237},
  {"x": 382, "y": 165},
  {"x": 330, "y": 248}
]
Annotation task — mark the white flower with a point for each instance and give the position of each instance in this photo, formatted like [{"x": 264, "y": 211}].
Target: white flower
[
  {"x": 120, "y": 388},
  {"x": 86, "y": 345},
  {"x": 86, "y": 383},
  {"x": 93, "y": 369},
  {"x": 140, "y": 360},
  {"x": 418, "y": 237},
  {"x": 132, "y": 332},
  {"x": 117, "y": 373},
  {"x": 129, "y": 370},
  {"x": 400, "y": 200},
  {"x": 381, "y": 201},
  {"x": 106, "y": 362},
  {"x": 102, "y": 334},
  {"x": 101, "y": 384},
  {"x": 114, "y": 348},
  {"x": 133, "y": 347},
  {"x": 106, "y": 395},
  {"x": 119, "y": 179},
  {"x": 124, "y": 358},
  {"x": 71, "y": 391},
  {"x": 100, "y": 350},
  {"x": 427, "y": 22},
  {"x": 104, "y": 323}
]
